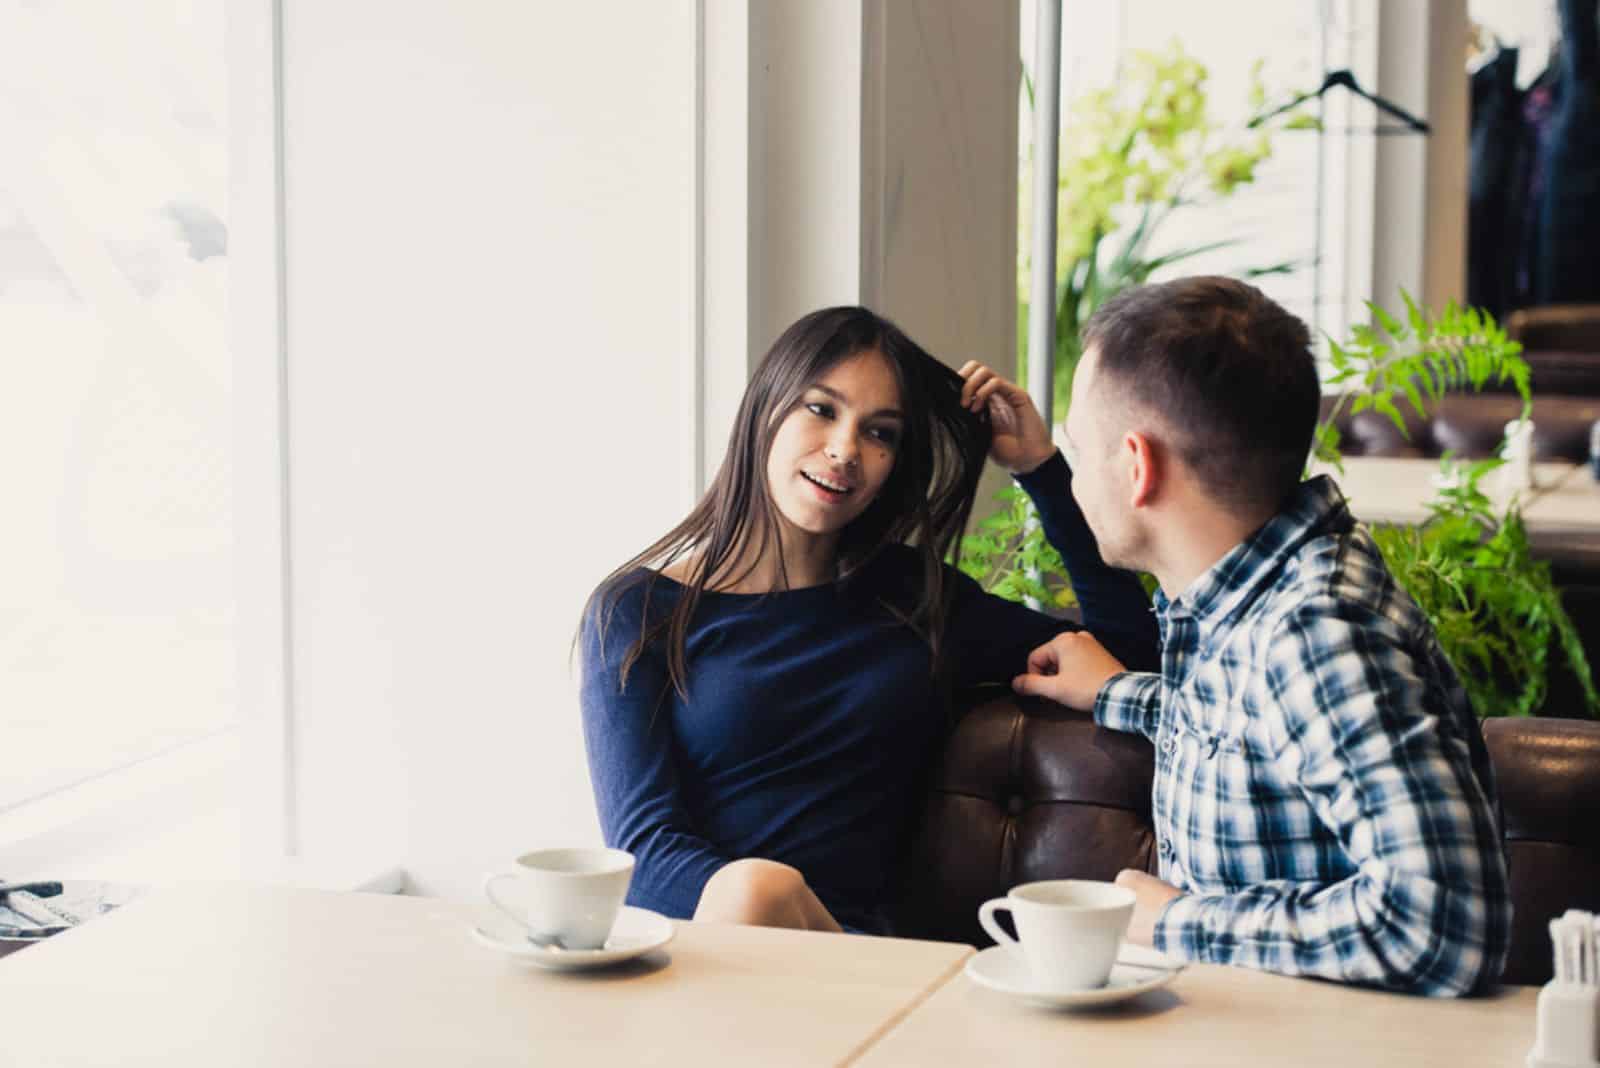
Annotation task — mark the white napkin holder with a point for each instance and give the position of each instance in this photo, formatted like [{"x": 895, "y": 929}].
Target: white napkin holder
[
  {"x": 1569, "y": 1004},
  {"x": 1569, "y": 1027}
]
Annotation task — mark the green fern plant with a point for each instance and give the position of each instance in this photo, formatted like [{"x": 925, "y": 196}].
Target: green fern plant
[
  {"x": 1493, "y": 606},
  {"x": 1420, "y": 358}
]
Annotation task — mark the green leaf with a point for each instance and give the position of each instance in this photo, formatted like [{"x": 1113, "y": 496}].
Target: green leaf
[
  {"x": 1414, "y": 396},
  {"x": 1191, "y": 251},
  {"x": 1414, "y": 314},
  {"x": 1384, "y": 403},
  {"x": 1390, "y": 324}
]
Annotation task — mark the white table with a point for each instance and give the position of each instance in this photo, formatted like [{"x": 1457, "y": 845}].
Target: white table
[
  {"x": 222, "y": 976},
  {"x": 1383, "y": 489},
  {"x": 1567, "y": 505},
  {"x": 1216, "y": 1017}
]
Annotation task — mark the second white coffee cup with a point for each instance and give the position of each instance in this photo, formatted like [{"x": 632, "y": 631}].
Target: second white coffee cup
[
  {"x": 567, "y": 898},
  {"x": 1069, "y": 929}
]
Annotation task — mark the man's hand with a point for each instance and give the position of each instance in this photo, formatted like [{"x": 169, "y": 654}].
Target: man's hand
[
  {"x": 1069, "y": 669},
  {"x": 1021, "y": 441},
  {"x": 1151, "y": 896}
]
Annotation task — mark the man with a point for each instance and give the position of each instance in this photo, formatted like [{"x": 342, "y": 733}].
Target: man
[{"x": 1322, "y": 797}]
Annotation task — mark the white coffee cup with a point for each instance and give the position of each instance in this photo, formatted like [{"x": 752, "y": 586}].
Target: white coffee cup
[
  {"x": 1069, "y": 929},
  {"x": 566, "y": 898}
]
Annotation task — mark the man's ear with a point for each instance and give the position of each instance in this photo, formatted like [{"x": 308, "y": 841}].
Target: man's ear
[{"x": 1144, "y": 468}]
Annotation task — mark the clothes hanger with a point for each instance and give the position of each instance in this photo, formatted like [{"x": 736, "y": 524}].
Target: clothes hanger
[{"x": 1344, "y": 79}]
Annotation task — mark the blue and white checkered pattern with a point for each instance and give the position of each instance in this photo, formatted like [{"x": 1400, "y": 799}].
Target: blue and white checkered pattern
[{"x": 1322, "y": 793}]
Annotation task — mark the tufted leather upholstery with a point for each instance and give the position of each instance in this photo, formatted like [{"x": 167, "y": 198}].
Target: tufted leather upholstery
[
  {"x": 1557, "y": 328},
  {"x": 1561, "y": 343},
  {"x": 1028, "y": 790},
  {"x": 1548, "y": 774},
  {"x": 1473, "y": 425}
]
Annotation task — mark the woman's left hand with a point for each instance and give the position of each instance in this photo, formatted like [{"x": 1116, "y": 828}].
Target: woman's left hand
[{"x": 1021, "y": 441}]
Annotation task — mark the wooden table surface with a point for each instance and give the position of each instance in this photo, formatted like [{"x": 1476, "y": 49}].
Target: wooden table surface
[
  {"x": 219, "y": 976},
  {"x": 236, "y": 975},
  {"x": 1216, "y": 1017}
]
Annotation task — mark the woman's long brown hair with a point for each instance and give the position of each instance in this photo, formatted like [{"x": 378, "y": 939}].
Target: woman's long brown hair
[{"x": 925, "y": 503}]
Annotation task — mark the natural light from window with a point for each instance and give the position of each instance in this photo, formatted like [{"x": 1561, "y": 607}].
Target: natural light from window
[
  {"x": 115, "y": 454},
  {"x": 1279, "y": 220}
]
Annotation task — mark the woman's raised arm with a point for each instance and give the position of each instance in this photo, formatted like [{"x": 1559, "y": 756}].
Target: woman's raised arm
[{"x": 1114, "y": 605}]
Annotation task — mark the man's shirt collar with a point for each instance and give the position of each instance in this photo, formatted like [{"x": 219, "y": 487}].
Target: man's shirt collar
[{"x": 1316, "y": 507}]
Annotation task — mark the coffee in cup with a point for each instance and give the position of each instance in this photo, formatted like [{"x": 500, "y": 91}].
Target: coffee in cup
[
  {"x": 1069, "y": 929},
  {"x": 566, "y": 898}
]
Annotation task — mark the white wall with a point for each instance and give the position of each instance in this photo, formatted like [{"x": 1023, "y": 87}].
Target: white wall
[{"x": 489, "y": 290}]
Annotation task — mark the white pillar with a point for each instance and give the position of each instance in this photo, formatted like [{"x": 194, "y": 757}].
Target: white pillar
[
  {"x": 1420, "y": 186},
  {"x": 881, "y": 144}
]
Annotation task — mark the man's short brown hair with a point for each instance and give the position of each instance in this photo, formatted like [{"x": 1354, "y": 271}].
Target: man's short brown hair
[{"x": 1227, "y": 372}]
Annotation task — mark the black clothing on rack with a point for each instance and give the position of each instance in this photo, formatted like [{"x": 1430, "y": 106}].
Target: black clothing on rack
[
  {"x": 1568, "y": 265},
  {"x": 1497, "y": 184}
]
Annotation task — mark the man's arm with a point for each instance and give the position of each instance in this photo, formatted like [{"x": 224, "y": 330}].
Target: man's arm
[
  {"x": 1380, "y": 758},
  {"x": 1130, "y": 702},
  {"x": 1074, "y": 669}
]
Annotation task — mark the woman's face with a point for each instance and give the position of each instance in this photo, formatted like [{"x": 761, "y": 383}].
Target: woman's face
[{"x": 832, "y": 454}]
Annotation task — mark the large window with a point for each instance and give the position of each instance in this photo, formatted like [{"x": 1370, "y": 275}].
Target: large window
[
  {"x": 1294, "y": 215},
  {"x": 115, "y": 555}
]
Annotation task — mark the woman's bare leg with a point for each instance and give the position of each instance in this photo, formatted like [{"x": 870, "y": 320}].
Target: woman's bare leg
[{"x": 763, "y": 893}]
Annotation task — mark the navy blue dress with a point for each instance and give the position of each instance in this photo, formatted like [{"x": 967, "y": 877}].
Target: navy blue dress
[{"x": 811, "y": 716}]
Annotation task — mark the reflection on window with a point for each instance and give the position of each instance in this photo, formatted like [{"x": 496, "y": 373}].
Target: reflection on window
[
  {"x": 115, "y": 556},
  {"x": 1292, "y": 218}
]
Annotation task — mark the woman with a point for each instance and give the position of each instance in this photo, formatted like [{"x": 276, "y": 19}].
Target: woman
[{"x": 761, "y": 686}]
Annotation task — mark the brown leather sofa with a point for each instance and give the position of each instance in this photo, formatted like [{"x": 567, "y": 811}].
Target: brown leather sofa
[
  {"x": 1472, "y": 425},
  {"x": 1027, "y": 790},
  {"x": 1561, "y": 343}
]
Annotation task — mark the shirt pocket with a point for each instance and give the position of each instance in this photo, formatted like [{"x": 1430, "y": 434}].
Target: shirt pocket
[{"x": 1213, "y": 729}]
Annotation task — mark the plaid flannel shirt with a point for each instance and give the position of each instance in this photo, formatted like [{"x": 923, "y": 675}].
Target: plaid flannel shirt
[{"x": 1322, "y": 792}]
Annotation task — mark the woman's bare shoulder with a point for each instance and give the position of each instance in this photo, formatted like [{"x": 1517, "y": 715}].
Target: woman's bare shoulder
[{"x": 678, "y": 571}]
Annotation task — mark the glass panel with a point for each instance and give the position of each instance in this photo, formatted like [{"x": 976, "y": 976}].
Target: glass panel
[
  {"x": 1271, "y": 222},
  {"x": 116, "y": 616}
]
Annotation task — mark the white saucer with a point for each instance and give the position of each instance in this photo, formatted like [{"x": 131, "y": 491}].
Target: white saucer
[
  {"x": 1137, "y": 970},
  {"x": 637, "y": 931}
]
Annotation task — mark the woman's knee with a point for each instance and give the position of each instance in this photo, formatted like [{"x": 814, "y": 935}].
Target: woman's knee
[{"x": 754, "y": 891}]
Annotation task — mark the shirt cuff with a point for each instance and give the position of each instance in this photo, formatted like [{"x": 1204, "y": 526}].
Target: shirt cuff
[
  {"x": 1052, "y": 470},
  {"x": 1180, "y": 928},
  {"x": 1128, "y": 702}
]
